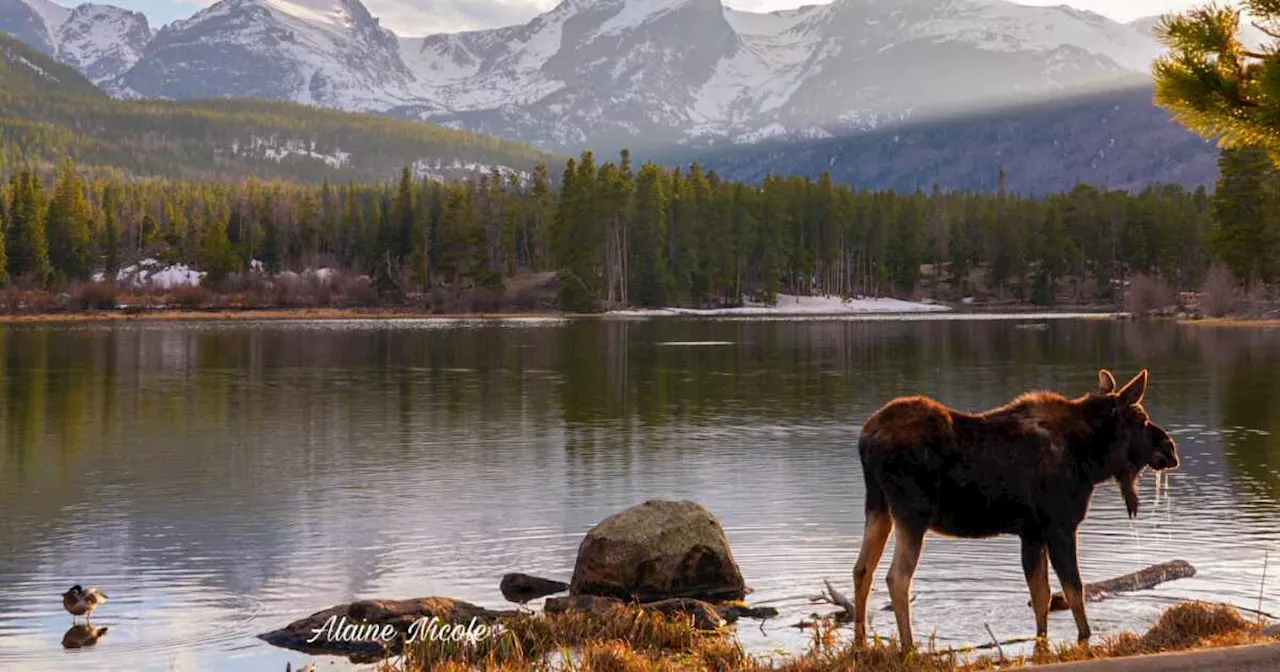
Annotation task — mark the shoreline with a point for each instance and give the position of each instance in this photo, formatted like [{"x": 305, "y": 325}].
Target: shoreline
[
  {"x": 279, "y": 314},
  {"x": 400, "y": 313}
]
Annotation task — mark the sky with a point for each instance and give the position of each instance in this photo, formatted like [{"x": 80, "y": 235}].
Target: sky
[{"x": 421, "y": 17}]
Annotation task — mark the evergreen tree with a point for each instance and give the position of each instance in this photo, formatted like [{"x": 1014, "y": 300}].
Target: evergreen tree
[
  {"x": 402, "y": 219},
  {"x": 28, "y": 250},
  {"x": 67, "y": 226},
  {"x": 1213, "y": 83},
  {"x": 4, "y": 256},
  {"x": 1245, "y": 213},
  {"x": 647, "y": 266},
  {"x": 110, "y": 233},
  {"x": 217, "y": 258}
]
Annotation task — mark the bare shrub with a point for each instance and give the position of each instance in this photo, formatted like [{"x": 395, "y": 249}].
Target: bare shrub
[
  {"x": 1147, "y": 294},
  {"x": 1221, "y": 293},
  {"x": 354, "y": 291},
  {"x": 191, "y": 297},
  {"x": 482, "y": 300},
  {"x": 93, "y": 296},
  {"x": 16, "y": 300}
]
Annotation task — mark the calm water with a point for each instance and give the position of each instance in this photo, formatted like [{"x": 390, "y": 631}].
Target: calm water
[{"x": 221, "y": 480}]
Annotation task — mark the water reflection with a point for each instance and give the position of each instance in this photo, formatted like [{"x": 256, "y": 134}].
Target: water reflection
[{"x": 218, "y": 480}]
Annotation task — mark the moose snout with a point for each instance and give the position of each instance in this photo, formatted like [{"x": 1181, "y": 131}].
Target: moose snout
[{"x": 1166, "y": 456}]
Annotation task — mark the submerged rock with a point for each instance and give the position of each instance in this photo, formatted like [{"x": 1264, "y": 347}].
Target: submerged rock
[
  {"x": 378, "y": 615},
  {"x": 655, "y": 551},
  {"x": 732, "y": 612},
  {"x": 521, "y": 588}
]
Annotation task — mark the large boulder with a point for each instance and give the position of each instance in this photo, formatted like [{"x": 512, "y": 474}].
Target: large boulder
[
  {"x": 655, "y": 551},
  {"x": 399, "y": 614}
]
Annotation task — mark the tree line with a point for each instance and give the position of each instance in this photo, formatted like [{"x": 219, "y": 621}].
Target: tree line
[{"x": 620, "y": 235}]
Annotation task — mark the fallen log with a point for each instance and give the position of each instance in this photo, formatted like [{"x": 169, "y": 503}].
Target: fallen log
[{"x": 1142, "y": 579}]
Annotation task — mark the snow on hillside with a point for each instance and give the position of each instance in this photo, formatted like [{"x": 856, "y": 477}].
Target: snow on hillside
[
  {"x": 1003, "y": 26},
  {"x": 276, "y": 149},
  {"x": 154, "y": 273},
  {"x": 591, "y": 71},
  {"x": 51, "y": 13}
]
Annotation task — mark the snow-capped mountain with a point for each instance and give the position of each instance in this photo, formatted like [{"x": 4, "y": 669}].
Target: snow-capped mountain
[
  {"x": 624, "y": 72},
  {"x": 327, "y": 52},
  {"x": 33, "y": 21},
  {"x": 102, "y": 41}
]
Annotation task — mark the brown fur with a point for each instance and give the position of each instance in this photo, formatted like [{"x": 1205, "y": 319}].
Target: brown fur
[{"x": 1026, "y": 468}]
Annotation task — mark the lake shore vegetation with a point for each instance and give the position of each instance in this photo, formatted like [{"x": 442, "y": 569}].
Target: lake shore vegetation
[
  {"x": 612, "y": 235},
  {"x": 630, "y": 640}
]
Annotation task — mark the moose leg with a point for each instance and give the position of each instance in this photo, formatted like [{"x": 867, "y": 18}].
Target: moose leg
[
  {"x": 874, "y": 538},
  {"x": 1035, "y": 564},
  {"x": 906, "y": 555},
  {"x": 1062, "y": 554}
]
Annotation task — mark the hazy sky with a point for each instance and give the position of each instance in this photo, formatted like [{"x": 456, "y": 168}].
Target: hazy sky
[{"x": 420, "y": 17}]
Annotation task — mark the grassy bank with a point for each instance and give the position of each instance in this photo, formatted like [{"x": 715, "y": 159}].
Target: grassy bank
[{"x": 627, "y": 640}]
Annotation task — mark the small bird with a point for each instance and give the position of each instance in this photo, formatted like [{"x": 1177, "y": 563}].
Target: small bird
[
  {"x": 82, "y": 602},
  {"x": 80, "y": 636}
]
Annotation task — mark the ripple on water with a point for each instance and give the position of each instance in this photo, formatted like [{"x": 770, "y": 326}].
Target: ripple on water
[{"x": 224, "y": 480}]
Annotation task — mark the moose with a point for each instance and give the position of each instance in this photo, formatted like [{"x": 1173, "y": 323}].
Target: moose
[{"x": 1027, "y": 468}]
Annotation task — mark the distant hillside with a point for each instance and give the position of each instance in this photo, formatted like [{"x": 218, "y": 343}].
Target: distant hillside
[
  {"x": 48, "y": 111},
  {"x": 24, "y": 71},
  {"x": 1118, "y": 139}
]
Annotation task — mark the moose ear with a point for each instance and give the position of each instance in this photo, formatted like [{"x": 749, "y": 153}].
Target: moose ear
[
  {"x": 1133, "y": 393},
  {"x": 1106, "y": 382}
]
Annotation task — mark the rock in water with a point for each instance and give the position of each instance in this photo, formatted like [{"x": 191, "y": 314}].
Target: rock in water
[
  {"x": 655, "y": 551},
  {"x": 399, "y": 614},
  {"x": 521, "y": 588}
]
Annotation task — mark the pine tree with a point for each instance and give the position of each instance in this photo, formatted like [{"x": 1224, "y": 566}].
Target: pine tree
[
  {"x": 28, "y": 250},
  {"x": 4, "y": 256},
  {"x": 647, "y": 265},
  {"x": 1245, "y": 213},
  {"x": 1214, "y": 84},
  {"x": 67, "y": 226},
  {"x": 217, "y": 258},
  {"x": 402, "y": 220},
  {"x": 110, "y": 232}
]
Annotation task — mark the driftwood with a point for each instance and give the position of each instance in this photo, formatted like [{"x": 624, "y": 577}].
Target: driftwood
[
  {"x": 1140, "y": 580},
  {"x": 833, "y": 596}
]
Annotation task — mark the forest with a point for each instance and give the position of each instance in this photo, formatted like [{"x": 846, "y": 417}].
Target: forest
[{"x": 614, "y": 234}]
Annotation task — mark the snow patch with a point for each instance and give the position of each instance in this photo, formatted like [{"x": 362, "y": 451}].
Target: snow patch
[
  {"x": 798, "y": 305},
  {"x": 154, "y": 273}
]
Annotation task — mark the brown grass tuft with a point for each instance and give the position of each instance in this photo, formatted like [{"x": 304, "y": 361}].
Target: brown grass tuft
[{"x": 631, "y": 640}]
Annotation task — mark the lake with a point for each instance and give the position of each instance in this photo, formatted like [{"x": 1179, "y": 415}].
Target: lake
[{"x": 218, "y": 480}]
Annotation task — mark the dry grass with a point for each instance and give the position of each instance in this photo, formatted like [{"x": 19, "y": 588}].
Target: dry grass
[{"x": 628, "y": 640}]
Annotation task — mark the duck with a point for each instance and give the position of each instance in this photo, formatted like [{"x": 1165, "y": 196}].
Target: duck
[
  {"x": 81, "y": 636},
  {"x": 81, "y": 601}
]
